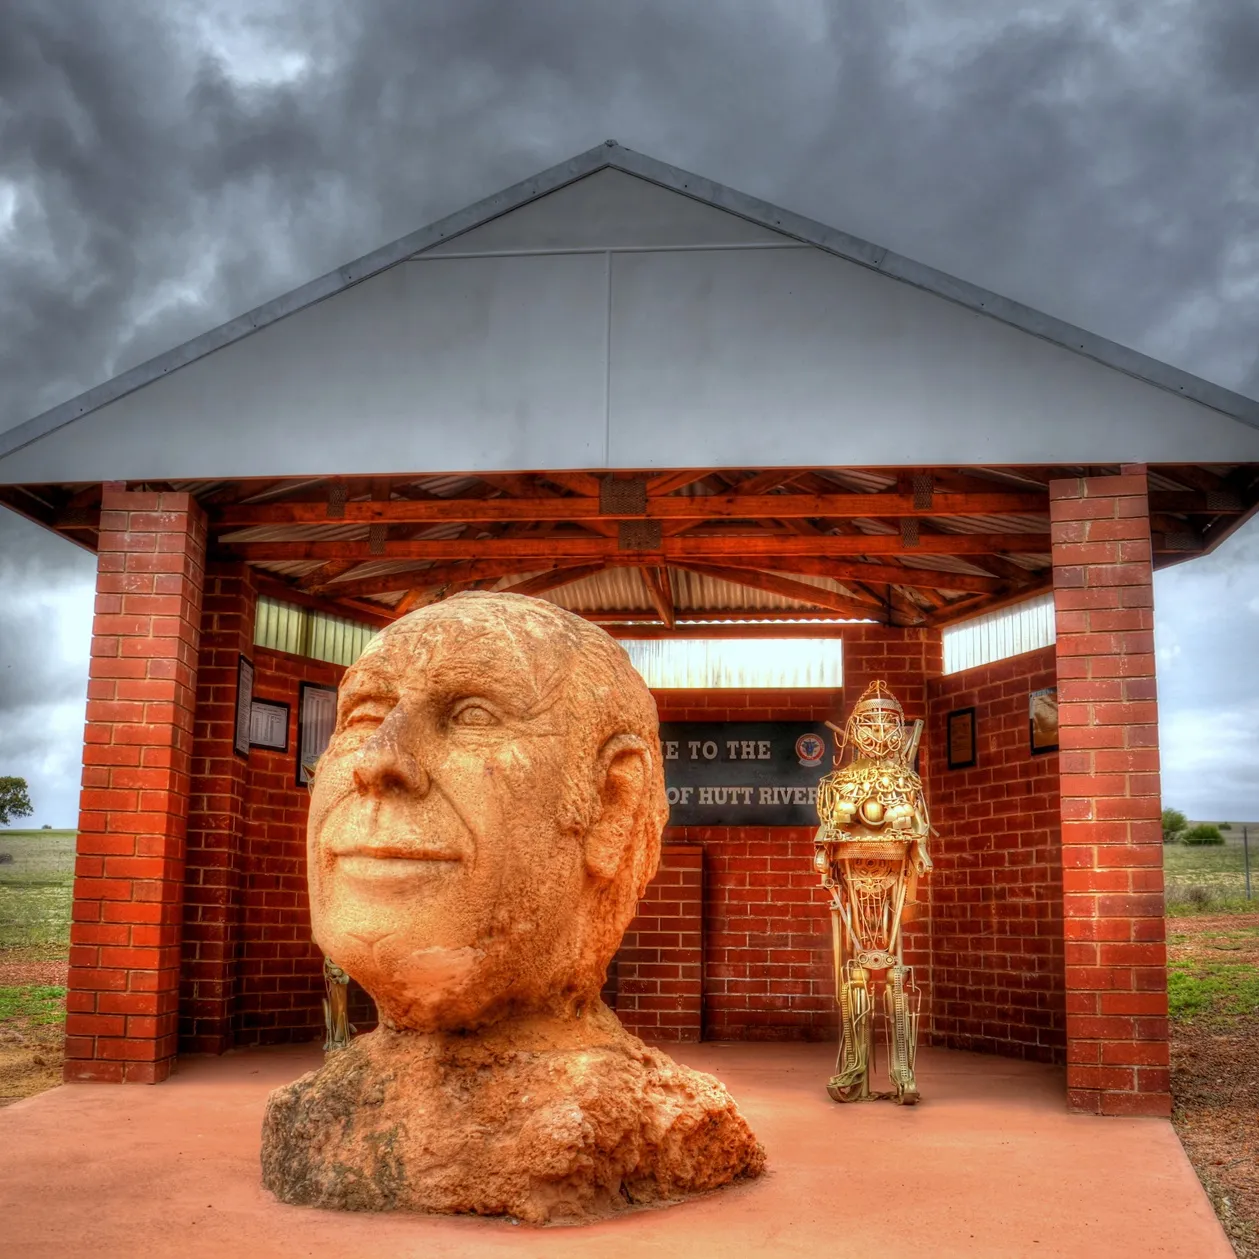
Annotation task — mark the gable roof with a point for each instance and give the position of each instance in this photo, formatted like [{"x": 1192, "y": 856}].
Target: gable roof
[{"x": 611, "y": 155}]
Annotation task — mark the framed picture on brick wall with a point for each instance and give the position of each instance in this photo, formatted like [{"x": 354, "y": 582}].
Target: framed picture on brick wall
[
  {"x": 1042, "y": 720},
  {"x": 961, "y": 737},
  {"x": 244, "y": 704},
  {"x": 269, "y": 725},
  {"x": 316, "y": 718}
]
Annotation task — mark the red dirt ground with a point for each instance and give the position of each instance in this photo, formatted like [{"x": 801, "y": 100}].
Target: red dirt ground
[{"x": 1215, "y": 1080}]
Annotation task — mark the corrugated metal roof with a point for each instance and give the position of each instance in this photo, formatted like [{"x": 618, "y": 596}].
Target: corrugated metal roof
[{"x": 999, "y": 635}]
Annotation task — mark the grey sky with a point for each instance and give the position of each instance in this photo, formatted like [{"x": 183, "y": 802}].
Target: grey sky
[{"x": 164, "y": 166}]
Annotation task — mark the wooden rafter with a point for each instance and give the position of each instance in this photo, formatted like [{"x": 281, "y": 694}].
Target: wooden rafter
[
  {"x": 671, "y": 549},
  {"x": 583, "y": 483},
  {"x": 801, "y": 591},
  {"x": 739, "y": 629},
  {"x": 670, "y": 481},
  {"x": 326, "y": 573},
  {"x": 667, "y": 508},
  {"x": 431, "y": 577},
  {"x": 963, "y": 608},
  {"x": 539, "y": 583},
  {"x": 660, "y": 592},
  {"x": 901, "y": 574}
]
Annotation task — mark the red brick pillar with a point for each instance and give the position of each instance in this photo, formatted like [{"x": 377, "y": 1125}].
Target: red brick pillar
[
  {"x": 216, "y": 815},
  {"x": 125, "y": 933},
  {"x": 1112, "y": 849}
]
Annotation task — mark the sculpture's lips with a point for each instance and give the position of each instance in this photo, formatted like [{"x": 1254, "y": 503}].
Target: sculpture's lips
[{"x": 395, "y": 861}]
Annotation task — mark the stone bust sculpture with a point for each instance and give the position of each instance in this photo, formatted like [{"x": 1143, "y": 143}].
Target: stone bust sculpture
[{"x": 482, "y": 825}]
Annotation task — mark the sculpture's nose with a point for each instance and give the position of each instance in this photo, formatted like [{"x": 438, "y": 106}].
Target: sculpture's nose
[{"x": 392, "y": 758}]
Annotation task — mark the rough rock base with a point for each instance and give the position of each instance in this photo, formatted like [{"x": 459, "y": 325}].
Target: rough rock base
[{"x": 544, "y": 1125}]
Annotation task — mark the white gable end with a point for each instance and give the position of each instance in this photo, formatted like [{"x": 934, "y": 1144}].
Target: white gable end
[
  {"x": 616, "y": 322},
  {"x": 610, "y": 210}
]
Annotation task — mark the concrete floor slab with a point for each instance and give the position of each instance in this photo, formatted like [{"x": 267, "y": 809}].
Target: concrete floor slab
[{"x": 990, "y": 1164}]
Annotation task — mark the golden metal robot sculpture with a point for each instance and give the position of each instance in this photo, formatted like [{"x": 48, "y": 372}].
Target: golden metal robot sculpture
[{"x": 871, "y": 850}]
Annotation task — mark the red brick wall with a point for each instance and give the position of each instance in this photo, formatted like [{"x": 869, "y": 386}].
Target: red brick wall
[
  {"x": 996, "y": 893},
  {"x": 1116, "y": 975},
  {"x": 129, "y": 871},
  {"x": 279, "y": 969},
  {"x": 657, "y": 974},
  {"x": 733, "y": 939},
  {"x": 216, "y": 815}
]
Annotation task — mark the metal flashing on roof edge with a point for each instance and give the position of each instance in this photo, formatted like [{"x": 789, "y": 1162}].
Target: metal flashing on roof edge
[{"x": 610, "y": 154}]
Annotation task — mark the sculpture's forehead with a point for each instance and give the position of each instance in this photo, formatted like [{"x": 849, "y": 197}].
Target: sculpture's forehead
[{"x": 483, "y": 649}]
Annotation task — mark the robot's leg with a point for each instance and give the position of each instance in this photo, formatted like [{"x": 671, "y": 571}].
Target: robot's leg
[
  {"x": 902, "y": 1002},
  {"x": 851, "y": 1081}
]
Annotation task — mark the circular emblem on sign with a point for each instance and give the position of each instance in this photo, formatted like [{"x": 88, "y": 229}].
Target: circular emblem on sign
[{"x": 810, "y": 748}]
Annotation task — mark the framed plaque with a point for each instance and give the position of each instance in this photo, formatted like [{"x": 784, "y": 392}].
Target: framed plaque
[
  {"x": 269, "y": 725},
  {"x": 244, "y": 704},
  {"x": 961, "y": 737},
  {"x": 744, "y": 773},
  {"x": 1042, "y": 715},
  {"x": 316, "y": 719}
]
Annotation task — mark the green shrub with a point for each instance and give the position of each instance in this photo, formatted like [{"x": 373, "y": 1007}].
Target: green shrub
[
  {"x": 1174, "y": 824},
  {"x": 1205, "y": 833},
  {"x": 1226, "y": 826}
]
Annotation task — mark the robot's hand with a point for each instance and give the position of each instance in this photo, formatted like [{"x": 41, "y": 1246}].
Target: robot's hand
[{"x": 845, "y": 810}]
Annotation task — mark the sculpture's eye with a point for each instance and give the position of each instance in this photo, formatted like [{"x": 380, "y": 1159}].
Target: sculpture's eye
[{"x": 471, "y": 713}]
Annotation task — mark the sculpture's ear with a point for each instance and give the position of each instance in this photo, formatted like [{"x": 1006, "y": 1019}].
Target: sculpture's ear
[{"x": 622, "y": 774}]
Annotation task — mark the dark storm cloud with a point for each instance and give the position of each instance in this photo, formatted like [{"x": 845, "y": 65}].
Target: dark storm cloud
[
  {"x": 164, "y": 166},
  {"x": 1094, "y": 160}
]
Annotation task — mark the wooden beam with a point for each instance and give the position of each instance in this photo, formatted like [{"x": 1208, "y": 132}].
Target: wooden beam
[
  {"x": 583, "y": 483},
  {"x": 26, "y": 503},
  {"x": 350, "y": 608},
  {"x": 900, "y": 574},
  {"x": 700, "y": 507},
  {"x": 723, "y": 616},
  {"x": 801, "y": 591},
  {"x": 772, "y": 479},
  {"x": 1193, "y": 502},
  {"x": 435, "y": 575},
  {"x": 326, "y": 573},
  {"x": 516, "y": 485},
  {"x": 1199, "y": 477},
  {"x": 961, "y": 611},
  {"x": 660, "y": 592},
  {"x": 719, "y": 630},
  {"x": 1008, "y": 569},
  {"x": 409, "y": 601},
  {"x": 672, "y": 549},
  {"x": 541, "y": 582},
  {"x": 670, "y": 481}
]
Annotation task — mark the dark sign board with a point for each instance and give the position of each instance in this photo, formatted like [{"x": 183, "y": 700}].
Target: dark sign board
[{"x": 744, "y": 773}]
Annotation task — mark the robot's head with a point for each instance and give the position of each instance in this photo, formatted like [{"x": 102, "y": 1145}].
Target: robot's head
[{"x": 877, "y": 724}]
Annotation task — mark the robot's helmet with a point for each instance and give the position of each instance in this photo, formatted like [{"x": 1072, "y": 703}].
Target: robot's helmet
[{"x": 877, "y": 723}]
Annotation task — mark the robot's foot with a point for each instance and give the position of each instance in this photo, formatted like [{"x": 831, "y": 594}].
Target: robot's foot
[
  {"x": 844, "y": 1089},
  {"x": 907, "y": 1094}
]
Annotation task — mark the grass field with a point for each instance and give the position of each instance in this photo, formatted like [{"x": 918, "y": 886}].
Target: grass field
[
  {"x": 1211, "y": 879},
  {"x": 36, "y": 885}
]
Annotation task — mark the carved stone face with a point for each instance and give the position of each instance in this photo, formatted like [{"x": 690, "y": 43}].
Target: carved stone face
[{"x": 449, "y": 841}]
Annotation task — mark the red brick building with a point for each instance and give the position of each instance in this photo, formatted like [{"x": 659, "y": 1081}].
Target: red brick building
[{"x": 683, "y": 413}]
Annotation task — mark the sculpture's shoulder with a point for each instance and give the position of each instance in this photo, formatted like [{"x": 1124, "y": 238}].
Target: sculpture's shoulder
[{"x": 567, "y": 1131}]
